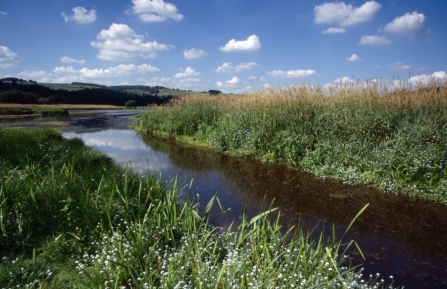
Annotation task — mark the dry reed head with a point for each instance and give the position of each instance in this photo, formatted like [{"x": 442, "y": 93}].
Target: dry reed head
[{"x": 395, "y": 94}]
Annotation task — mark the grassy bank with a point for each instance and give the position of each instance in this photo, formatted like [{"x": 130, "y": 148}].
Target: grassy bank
[
  {"x": 362, "y": 134},
  {"x": 70, "y": 218},
  {"x": 33, "y": 112},
  {"x": 18, "y": 106}
]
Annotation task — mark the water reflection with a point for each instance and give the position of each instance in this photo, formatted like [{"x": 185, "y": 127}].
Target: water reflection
[{"x": 399, "y": 236}]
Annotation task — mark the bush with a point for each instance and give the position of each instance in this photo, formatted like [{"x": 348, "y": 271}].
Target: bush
[{"x": 131, "y": 104}]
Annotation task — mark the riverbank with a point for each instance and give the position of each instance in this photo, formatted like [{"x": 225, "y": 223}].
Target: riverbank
[
  {"x": 14, "y": 113},
  {"x": 362, "y": 134},
  {"x": 70, "y": 218},
  {"x": 58, "y": 106}
]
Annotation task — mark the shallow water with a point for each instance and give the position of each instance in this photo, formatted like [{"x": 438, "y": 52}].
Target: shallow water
[{"x": 399, "y": 236}]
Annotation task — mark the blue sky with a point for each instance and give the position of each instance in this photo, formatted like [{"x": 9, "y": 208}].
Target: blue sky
[{"x": 230, "y": 45}]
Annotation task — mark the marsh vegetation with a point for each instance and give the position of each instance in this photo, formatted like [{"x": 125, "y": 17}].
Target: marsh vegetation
[{"x": 390, "y": 136}]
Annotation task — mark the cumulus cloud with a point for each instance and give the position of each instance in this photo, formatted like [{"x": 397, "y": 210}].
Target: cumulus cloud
[
  {"x": 374, "y": 40},
  {"x": 409, "y": 24},
  {"x": 439, "y": 77},
  {"x": 343, "y": 80},
  {"x": 193, "y": 53},
  {"x": 188, "y": 82},
  {"x": 354, "y": 58},
  {"x": 251, "y": 44},
  {"x": 188, "y": 72},
  {"x": 292, "y": 73},
  {"x": 155, "y": 10},
  {"x": 345, "y": 15},
  {"x": 7, "y": 57},
  {"x": 158, "y": 81},
  {"x": 229, "y": 84},
  {"x": 230, "y": 67},
  {"x": 33, "y": 74},
  {"x": 147, "y": 68},
  {"x": 67, "y": 59},
  {"x": 80, "y": 15},
  {"x": 333, "y": 30},
  {"x": 398, "y": 66},
  {"x": 99, "y": 73},
  {"x": 257, "y": 78},
  {"x": 121, "y": 43}
]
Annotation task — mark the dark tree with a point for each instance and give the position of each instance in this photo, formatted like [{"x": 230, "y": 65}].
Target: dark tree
[
  {"x": 131, "y": 104},
  {"x": 214, "y": 92},
  {"x": 16, "y": 96}
]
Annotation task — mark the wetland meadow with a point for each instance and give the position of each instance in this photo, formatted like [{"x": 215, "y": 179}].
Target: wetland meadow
[{"x": 321, "y": 189}]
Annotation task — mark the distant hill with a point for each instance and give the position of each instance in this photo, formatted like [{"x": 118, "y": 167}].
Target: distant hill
[
  {"x": 12, "y": 79},
  {"x": 15, "y": 90}
]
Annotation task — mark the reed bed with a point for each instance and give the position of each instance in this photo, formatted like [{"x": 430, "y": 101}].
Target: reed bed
[
  {"x": 390, "y": 136},
  {"x": 70, "y": 218}
]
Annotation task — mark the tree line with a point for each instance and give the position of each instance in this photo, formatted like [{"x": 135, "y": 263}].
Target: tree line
[{"x": 14, "y": 91}]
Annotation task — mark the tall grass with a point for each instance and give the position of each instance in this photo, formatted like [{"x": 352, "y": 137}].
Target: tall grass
[
  {"x": 70, "y": 218},
  {"x": 364, "y": 133}
]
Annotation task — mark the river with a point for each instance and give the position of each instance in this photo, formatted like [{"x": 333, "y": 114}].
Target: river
[{"x": 400, "y": 237}]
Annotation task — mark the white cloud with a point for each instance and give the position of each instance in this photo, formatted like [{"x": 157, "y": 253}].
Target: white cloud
[
  {"x": 158, "y": 81},
  {"x": 439, "y": 77},
  {"x": 65, "y": 70},
  {"x": 7, "y": 57},
  {"x": 155, "y": 10},
  {"x": 354, "y": 58},
  {"x": 187, "y": 82},
  {"x": 292, "y": 73},
  {"x": 229, "y": 84},
  {"x": 421, "y": 68},
  {"x": 378, "y": 67},
  {"x": 99, "y": 73},
  {"x": 80, "y": 15},
  {"x": 267, "y": 85},
  {"x": 408, "y": 24},
  {"x": 147, "y": 68},
  {"x": 257, "y": 78},
  {"x": 374, "y": 40},
  {"x": 3, "y": 13},
  {"x": 398, "y": 66},
  {"x": 193, "y": 53},
  {"x": 188, "y": 72},
  {"x": 34, "y": 74},
  {"x": 230, "y": 67},
  {"x": 121, "y": 43},
  {"x": 343, "y": 80},
  {"x": 6, "y": 65},
  {"x": 246, "y": 89},
  {"x": 334, "y": 30},
  {"x": 345, "y": 15},
  {"x": 251, "y": 44},
  {"x": 67, "y": 59}
]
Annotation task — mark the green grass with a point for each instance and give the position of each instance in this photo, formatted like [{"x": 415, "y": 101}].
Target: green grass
[
  {"x": 362, "y": 134},
  {"x": 34, "y": 111},
  {"x": 70, "y": 218}
]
